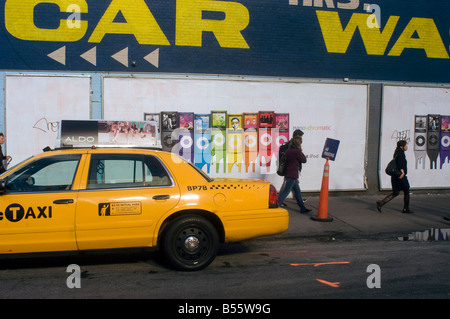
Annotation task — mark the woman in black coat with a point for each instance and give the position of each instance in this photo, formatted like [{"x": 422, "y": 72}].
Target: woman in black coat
[{"x": 399, "y": 183}]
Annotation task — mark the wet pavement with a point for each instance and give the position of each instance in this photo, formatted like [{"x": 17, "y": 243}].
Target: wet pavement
[{"x": 357, "y": 216}]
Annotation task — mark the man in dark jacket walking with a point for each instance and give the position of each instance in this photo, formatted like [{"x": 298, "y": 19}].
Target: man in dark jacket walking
[{"x": 294, "y": 160}]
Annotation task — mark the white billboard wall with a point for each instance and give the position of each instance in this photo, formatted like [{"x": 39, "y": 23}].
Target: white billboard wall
[
  {"x": 34, "y": 108},
  {"x": 337, "y": 111},
  {"x": 421, "y": 116}
]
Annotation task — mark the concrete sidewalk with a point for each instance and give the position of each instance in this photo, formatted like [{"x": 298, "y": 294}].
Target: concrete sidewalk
[{"x": 356, "y": 216}]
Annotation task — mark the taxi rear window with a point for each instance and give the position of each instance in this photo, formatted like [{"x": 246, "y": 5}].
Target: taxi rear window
[
  {"x": 201, "y": 172},
  {"x": 126, "y": 170}
]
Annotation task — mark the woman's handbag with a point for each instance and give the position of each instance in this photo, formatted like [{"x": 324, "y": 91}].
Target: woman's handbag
[{"x": 392, "y": 170}]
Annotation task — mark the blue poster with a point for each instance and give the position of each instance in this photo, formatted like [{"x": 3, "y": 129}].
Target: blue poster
[{"x": 330, "y": 149}]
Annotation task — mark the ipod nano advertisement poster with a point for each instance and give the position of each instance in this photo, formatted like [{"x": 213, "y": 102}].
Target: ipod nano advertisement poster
[
  {"x": 422, "y": 117},
  {"x": 235, "y": 128}
]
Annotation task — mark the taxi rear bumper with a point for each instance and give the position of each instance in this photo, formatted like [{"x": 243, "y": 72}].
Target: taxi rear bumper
[{"x": 241, "y": 225}]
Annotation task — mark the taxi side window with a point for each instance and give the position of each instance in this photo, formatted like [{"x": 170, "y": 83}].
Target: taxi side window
[
  {"x": 126, "y": 170},
  {"x": 53, "y": 173}
]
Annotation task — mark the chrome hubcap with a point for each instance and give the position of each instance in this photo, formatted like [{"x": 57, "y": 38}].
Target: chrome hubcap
[{"x": 191, "y": 243}]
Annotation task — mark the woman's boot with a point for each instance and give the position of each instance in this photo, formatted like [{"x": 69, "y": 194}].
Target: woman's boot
[
  {"x": 384, "y": 201},
  {"x": 406, "y": 205}
]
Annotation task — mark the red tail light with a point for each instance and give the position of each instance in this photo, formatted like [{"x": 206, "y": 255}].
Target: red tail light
[{"x": 273, "y": 198}]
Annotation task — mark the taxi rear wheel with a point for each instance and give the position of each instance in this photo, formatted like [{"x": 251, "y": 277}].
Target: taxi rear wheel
[{"x": 190, "y": 243}]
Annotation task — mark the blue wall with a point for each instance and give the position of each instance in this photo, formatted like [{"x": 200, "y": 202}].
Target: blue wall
[{"x": 277, "y": 38}]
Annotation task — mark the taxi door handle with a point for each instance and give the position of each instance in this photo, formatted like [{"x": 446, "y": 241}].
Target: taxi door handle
[
  {"x": 63, "y": 201},
  {"x": 161, "y": 197}
]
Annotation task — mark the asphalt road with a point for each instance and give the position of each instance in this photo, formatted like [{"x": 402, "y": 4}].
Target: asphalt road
[{"x": 266, "y": 268}]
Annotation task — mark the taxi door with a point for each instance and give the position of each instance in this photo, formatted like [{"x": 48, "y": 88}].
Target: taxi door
[
  {"x": 124, "y": 197},
  {"x": 37, "y": 206}
]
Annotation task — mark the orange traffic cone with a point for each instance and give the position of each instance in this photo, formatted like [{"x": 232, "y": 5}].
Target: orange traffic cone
[{"x": 322, "y": 212}]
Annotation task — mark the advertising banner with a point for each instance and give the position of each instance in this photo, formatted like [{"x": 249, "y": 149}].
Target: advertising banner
[
  {"x": 109, "y": 133},
  {"x": 401, "y": 40},
  {"x": 420, "y": 116},
  {"x": 237, "y": 132}
]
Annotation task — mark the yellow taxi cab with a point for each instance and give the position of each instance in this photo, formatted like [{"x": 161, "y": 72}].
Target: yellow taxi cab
[{"x": 105, "y": 198}]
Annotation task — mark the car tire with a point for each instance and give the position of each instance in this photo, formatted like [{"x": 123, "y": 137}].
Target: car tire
[{"x": 190, "y": 242}]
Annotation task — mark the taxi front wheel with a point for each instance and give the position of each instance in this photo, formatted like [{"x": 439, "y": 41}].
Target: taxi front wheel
[{"x": 190, "y": 242}]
